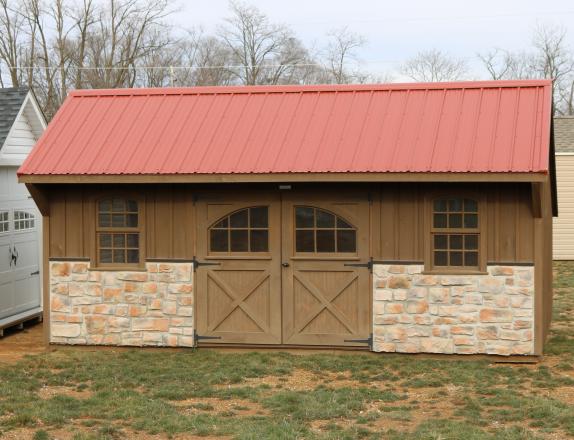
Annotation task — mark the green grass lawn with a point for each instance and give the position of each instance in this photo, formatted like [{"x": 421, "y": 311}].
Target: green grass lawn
[{"x": 80, "y": 395}]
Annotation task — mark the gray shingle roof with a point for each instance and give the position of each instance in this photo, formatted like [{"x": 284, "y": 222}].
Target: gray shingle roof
[
  {"x": 564, "y": 134},
  {"x": 11, "y": 99}
]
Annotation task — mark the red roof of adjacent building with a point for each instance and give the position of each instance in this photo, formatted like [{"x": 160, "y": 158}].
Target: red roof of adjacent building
[{"x": 489, "y": 126}]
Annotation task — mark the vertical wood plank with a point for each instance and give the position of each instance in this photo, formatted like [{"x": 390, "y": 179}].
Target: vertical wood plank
[
  {"x": 58, "y": 225},
  {"x": 74, "y": 223}
]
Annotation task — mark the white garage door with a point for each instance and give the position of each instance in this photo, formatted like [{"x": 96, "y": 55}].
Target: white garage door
[{"x": 19, "y": 259}]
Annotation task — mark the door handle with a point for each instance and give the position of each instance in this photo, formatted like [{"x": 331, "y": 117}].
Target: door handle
[
  {"x": 11, "y": 254},
  {"x": 15, "y": 255},
  {"x": 285, "y": 264}
]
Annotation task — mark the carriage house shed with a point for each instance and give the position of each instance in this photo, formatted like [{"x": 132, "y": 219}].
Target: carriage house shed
[{"x": 401, "y": 218}]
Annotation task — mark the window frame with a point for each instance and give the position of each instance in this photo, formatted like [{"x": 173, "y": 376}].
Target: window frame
[
  {"x": 238, "y": 254},
  {"x": 140, "y": 229},
  {"x": 430, "y": 231},
  {"x": 7, "y": 222},
  {"x": 315, "y": 254}
]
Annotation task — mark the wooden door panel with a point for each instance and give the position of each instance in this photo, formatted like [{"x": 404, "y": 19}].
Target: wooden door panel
[
  {"x": 326, "y": 302},
  {"x": 239, "y": 296}
]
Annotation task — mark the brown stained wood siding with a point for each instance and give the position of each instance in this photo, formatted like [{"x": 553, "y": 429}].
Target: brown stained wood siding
[
  {"x": 169, "y": 222},
  {"x": 510, "y": 226}
]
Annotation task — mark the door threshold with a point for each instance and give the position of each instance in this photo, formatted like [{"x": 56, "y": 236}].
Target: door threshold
[{"x": 283, "y": 347}]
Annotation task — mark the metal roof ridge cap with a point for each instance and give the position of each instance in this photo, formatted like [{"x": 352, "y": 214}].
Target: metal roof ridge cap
[{"x": 291, "y": 88}]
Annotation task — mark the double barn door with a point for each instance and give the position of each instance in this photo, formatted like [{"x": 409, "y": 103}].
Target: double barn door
[{"x": 283, "y": 268}]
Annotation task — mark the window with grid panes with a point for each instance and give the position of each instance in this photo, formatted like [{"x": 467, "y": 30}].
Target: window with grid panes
[
  {"x": 4, "y": 221},
  {"x": 118, "y": 232},
  {"x": 320, "y": 231},
  {"x": 246, "y": 230},
  {"x": 455, "y": 233},
  {"x": 23, "y": 220}
]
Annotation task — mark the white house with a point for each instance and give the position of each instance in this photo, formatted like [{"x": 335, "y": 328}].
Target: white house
[{"x": 21, "y": 125}]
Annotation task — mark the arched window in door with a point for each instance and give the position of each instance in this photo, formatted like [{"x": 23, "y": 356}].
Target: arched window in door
[
  {"x": 246, "y": 230},
  {"x": 321, "y": 231}
]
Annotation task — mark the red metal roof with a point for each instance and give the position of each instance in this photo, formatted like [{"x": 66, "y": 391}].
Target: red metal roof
[{"x": 489, "y": 126}]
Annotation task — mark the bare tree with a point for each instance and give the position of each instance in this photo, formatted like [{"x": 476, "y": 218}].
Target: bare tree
[
  {"x": 434, "y": 65},
  {"x": 263, "y": 52},
  {"x": 341, "y": 50}
]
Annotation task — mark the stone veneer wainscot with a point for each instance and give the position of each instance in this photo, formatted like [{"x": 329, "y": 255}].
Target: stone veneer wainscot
[
  {"x": 151, "y": 307},
  {"x": 467, "y": 314}
]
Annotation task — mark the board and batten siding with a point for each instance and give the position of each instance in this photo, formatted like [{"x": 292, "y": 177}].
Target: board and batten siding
[{"x": 563, "y": 225}]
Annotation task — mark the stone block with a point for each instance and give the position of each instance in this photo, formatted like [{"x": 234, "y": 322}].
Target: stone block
[
  {"x": 164, "y": 267},
  {"x": 96, "y": 324},
  {"x": 185, "y": 311},
  {"x": 417, "y": 293},
  {"x": 386, "y": 319},
  {"x": 495, "y": 315},
  {"x": 380, "y": 283},
  {"x": 521, "y": 324},
  {"x": 150, "y": 324},
  {"x": 171, "y": 340},
  {"x": 436, "y": 345},
  {"x": 521, "y": 302},
  {"x": 462, "y": 330},
  {"x": 399, "y": 282},
  {"x": 112, "y": 339},
  {"x": 455, "y": 280},
  {"x": 408, "y": 347},
  {"x": 444, "y": 320},
  {"x": 462, "y": 340},
  {"x": 132, "y": 276},
  {"x": 183, "y": 272},
  {"x": 95, "y": 277},
  {"x": 79, "y": 267},
  {"x": 425, "y": 280},
  {"x": 136, "y": 310},
  {"x": 131, "y": 287},
  {"x": 415, "y": 269},
  {"x": 523, "y": 348},
  {"x": 418, "y": 331},
  {"x": 384, "y": 347},
  {"x": 448, "y": 310},
  {"x": 155, "y": 304},
  {"x": 392, "y": 308},
  {"x": 438, "y": 295},
  {"x": 473, "y": 298},
  {"x": 406, "y": 319},
  {"x": 440, "y": 331},
  {"x": 394, "y": 334},
  {"x": 149, "y": 288},
  {"x": 378, "y": 308},
  {"x": 399, "y": 294},
  {"x": 169, "y": 307},
  {"x": 60, "y": 269},
  {"x": 65, "y": 330},
  {"x": 180, "y": 288},
  {"x": 396, "y": 268},
  {"x": 511, "y": 335},
  {"x": 112, "y": 294},
  {"x": 60, "y": 304},
  {"x": 186, "y": 341},
  {"x": 490, "y": 285},
  {"x": 501, "y": 271},
  {"x": 103, "y": 309},
  {"x": 185, "y": 300},
  {"x": 487, "y": 332},
  {"x": 151, "y": 338},
  {"x": 422, "y": 319},
  {"x": 417, "y": 307}
]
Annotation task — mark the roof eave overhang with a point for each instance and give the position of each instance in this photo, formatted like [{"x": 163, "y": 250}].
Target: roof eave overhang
[{"x": 284, "y": 177}]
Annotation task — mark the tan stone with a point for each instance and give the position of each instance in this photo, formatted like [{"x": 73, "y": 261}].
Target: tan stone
[
  {"x": 394, "y": 308},
  {"x": 473, "y": 298},
  {"x": 165, "y": 277},
  {"x": 180, "y": 288},
  {"x": 436, "y": 345},
  {"x": 79, "y": 267},
  {"x": 59, "y": 304},
  {"x": 422, "y": 319},
  {"x": 408, "y": 347},
  {"x": 396, "y": 269},
  {"x": 467, "y": 318},
  {"x": 521, "y": 302},
  {"x": 186, "y": 341},
  {"x": 185, "y": 300},
  {"x": 96, "y": 324},
  {"x": 396, "y": 334},
  {"x": 65, "y": 330},
  {"x": 60, "y": 269},
  {"x": 118, "y": 322},
  {"x": 399, "y": 282},
  {"x": 455, "y": 280},
  {"x": 415, "y": 269},
  {"x": 103, "y": 309},
  {"x": 152, "y": 338},
  {"x": 448, "y": 310},
  {"x": 181, "y": 322},
  {"x": 444, "y": 321},
  {"x": 76, "y": 289},
  {"x": 523, "y": 349},
  {"x": 112, "y": 294},
  {"x": 60, "y": 288},
  {"x": 380, "y": 283},
  {"x": 417, "y": 293},
  {"x": 171, "y": 341},
  {"x": 378, "y": 308},
  {"x": 495, "y": 315},
  {"x": 417, "y": 307},
  {"x": 155, "y": 304},
  {"x": 520, "y": 324},
  {"x": 490, "y": 285},
  {"x": 509, "y": 281},
  {"x": 112, "y": 339},
  {"x": 183, "y": 272},
  {"x": 149, "y": 288},
  {"x": 466, "y": 349},
  {"x": 425, "y": 280},
  {"x": 510, "y": 335},
  {"x": 137, "y": 310},
  {"x": 399, "y": 294},
  {"x": 383, "y": 295},
  {"x": 151, "y": 267},
  {"x": 527, "y": 335},
  {"x": 386, "y": 320},
  {"x": 385, "y": 347},
  {"x": 501, "y": 271},
  {"x": 487, "y": 332},
  {"x": 438, "y": 295},
  {"x": 503, "y": 350},
  {"x": 58, "y": 317},
  {"x": 440, "y": 332},
  {"x": 169, "y": 307},
  {"x": 95, "y": 276},
  {"x": 131, "y": 287},
  {"x": 185, "y": 311},
  {"x": 163, "y": 267},
  {"x": 133, "y": 276},
  {"x": 151, "y": 324},
  {"x": 463, "y": 340},
  {"x": 462, "y": 330},
  {"x": 122, "y": 310},
  {"x": 418, "y": 331}
]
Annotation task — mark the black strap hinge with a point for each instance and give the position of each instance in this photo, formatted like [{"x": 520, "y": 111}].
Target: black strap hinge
[
  {"x": 368, "y": 341},
  {"x": 368, "y": 264},
  {"x": 197, "y": 338},
  {"x": 196, "y": 263}
]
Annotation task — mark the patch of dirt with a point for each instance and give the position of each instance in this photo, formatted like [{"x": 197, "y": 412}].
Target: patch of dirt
[
  {"x": 47, "y": 392},
  {"x": 240, "y": 407},
  {"x": 124, "y": 434},
  {"x": 17, "y": 343},
  {"x": 299, "y": 380}
]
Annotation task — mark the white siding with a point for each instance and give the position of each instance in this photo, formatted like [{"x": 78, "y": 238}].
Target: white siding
[{"x": 563, "y": 227}]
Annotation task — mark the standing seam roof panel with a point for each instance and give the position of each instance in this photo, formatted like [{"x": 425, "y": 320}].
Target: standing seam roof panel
[{"x": 494, "y": 126}]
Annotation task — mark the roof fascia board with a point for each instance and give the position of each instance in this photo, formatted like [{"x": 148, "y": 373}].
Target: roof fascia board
[{"x": 286, "y": 177}]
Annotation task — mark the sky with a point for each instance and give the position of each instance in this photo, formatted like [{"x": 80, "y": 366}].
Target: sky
[{"x": 398, "y": 30}]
